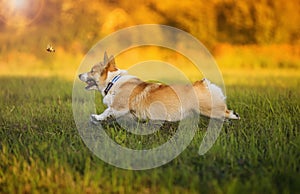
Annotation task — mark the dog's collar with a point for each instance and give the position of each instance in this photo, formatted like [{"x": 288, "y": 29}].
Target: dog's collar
[{"x": 111, "y": 83}]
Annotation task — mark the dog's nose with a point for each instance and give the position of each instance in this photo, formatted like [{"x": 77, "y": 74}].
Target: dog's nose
[{"x": 79, "y": 75}]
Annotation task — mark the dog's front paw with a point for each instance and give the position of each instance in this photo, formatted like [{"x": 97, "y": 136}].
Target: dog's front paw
[{"x": 95, "y": 119}]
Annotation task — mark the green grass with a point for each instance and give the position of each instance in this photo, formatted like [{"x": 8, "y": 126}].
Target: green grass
[{"x": 41, "y": 150}]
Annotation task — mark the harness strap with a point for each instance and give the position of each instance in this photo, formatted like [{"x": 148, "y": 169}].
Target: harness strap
[{"x": 111, "y": 83}]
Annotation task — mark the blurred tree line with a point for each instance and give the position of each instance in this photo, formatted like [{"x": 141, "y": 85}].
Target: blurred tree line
[{"x": 77, "y": 25}]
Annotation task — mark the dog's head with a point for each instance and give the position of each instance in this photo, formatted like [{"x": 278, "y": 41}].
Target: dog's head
[{"x": 96, "y": 78}]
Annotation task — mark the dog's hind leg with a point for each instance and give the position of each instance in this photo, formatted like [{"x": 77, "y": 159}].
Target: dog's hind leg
[{"x": 230, "y": 114}]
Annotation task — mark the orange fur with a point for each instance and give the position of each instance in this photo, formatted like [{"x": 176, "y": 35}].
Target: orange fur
[{"x": 155, "y": 101}]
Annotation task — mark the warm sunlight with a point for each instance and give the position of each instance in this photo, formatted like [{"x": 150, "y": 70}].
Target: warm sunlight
[
  {"x": 20, "y": 12},
  {"x": 19, "y": 4},
  {"x": 76, "y": 120}
]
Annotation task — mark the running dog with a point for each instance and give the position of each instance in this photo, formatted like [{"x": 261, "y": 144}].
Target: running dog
[{"x": 125, "y": 94}]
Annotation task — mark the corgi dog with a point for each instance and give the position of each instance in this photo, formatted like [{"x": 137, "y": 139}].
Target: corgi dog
[{"x": 124, "y": 94}]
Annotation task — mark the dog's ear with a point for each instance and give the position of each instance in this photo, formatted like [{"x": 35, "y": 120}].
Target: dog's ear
[
  {"x": 112, "y": 61},
  {"x": 105, "y": 59},
  {"x": 109, "y": 62},
  {"x": 112, "y": 64}
]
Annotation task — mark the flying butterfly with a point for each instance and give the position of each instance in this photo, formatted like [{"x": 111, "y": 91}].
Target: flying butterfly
[{"x": 50, "y": 48}]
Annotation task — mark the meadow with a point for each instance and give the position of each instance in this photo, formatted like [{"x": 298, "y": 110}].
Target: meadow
[
  {"x": 255, "y": 43},
  {"x": 41, "y": 150}
]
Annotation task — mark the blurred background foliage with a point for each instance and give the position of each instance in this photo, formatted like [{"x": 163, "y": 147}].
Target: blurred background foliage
[
  {"x": 80, "y": 23},
  {"x": 269, "y": 27}
]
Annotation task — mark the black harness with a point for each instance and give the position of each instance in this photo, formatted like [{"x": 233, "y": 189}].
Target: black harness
[{"x": 111, "y": 83}]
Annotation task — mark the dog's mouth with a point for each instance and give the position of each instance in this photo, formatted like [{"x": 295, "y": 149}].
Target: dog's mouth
[{"x": 90, "y": 83}]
